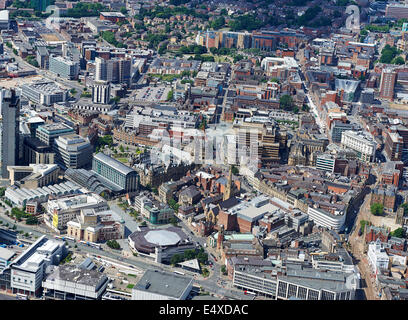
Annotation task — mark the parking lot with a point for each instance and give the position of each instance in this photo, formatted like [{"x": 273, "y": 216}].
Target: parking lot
[{"x": 154, "y": 94}]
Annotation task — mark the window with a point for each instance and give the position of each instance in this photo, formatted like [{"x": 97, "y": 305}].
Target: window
[
  {"x": 327, "y": 295},
  {"x": 313, "y": 295},
  {"x": 292, "y": 290},
  {"x": 302, "y": 293},
  {"x": 282, "y": 289}
]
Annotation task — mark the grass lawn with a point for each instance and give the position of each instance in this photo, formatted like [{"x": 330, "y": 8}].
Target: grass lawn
[
  {"x": 123, "y": 160},
  {"x": 166, "y": 77},
  {"x": 130, "y": 286}
]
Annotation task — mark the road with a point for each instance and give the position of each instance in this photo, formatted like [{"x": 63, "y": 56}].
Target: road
[
  {"x": 313, "y": 108},
  {"x": 359, "y": 258},
  {"x": 7, "y": 297}
]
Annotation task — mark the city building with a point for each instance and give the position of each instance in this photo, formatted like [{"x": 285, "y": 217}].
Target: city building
[
  {"x": 360, "y": 143},
  {"x": 94, "y": 226},
  {"x": 387, "y": 83},
  {"x": 21, "y": 196},
  {"x": 325, "y": 162},
  {"x": 9, "y": 130},
  {"x": 384, "y": 195},
  {"x": 116, "y": 172},
  {"x": 160, "y": 285},
  {"x": 114, "y": 70},
  {"x": 64, "y": 67},
  {"x": 101, "y": 92},
  {"x": 29, "y": 269},
  {"x": 60, "y": 211},
  {"x": 34, "y": 175},
  {"x": 44, "y": 92},
  {"x": 6, "y": 256},
  {"x": 37, "y": 152},
  {"x": 73, "y": 151},
  {"x": 338, "y": 127},
  {"x": 394, "y": 146},
  {"x": 377, "y": 256},
  {"x": 51, "y": 131},
  {"x": 43, "y": 57},
  {"x": 306, "y": 284},
  {"x": 160, "y": 244},
  {"x": 326, "y": 219},
  {"x": 67, "y": 282}
]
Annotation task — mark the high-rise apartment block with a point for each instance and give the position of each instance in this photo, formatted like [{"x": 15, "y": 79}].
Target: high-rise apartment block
[
  {"x": 9, "y": 130},
  {"x": 388, "y": 79}
]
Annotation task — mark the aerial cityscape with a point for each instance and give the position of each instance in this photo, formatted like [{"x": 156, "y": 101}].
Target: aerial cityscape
[{"x": 203, "y": 150}]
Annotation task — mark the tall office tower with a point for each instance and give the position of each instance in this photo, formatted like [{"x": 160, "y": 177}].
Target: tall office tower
[
  {"x": 125, "y": 66},
  {"x": 101, "y": 92},
  {"x": 388, "y": 79},
  {"x": 9, "y": 130},
  {"x": 113, "y": 70},
  {"x": 100, "y": 69}
]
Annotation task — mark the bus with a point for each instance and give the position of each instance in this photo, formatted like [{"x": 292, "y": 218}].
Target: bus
[
  {"x": 179, "y": 272},
  {"x": 64, "y": 238},
  {"x": 94, "y": 245},
  {"x": 21, "y": 296}
]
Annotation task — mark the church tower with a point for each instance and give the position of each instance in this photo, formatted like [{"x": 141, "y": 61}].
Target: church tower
[{"x": 228, "y": 189}]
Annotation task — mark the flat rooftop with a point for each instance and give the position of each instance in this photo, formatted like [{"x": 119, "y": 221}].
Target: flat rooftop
[
  {"x": 6, "y": 254},
  {"x": 163, "y": 283},
  {"x": 71, "y": 273}
]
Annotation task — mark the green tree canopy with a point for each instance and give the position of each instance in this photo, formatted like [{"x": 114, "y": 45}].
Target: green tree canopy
[
  {"x": 177, "y": 258},
  {"x": 113, "y": 244},
  {"x": 388, "y": 54},
  {"x": 399, "y": 233},
  {"x": 398, "y": 60},
  {"x": 377, "y": 209}
]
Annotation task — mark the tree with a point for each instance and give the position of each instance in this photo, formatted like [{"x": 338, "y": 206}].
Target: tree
[
  {"x": 398, "y": 60},
  {"x": 189, "y": 254},
  {"x": 363, "y": 224},
  {"x": 82, "y": 9},
  {"x": 177, "y": 258},
  {"x": 205, "y": 272},
  {"x": 399, "y": 233},
  {"x": 202, "y": 256},
  {"x": 121, "y": 149},
  {"x": 388, "y": 54},
  {"x": 32, "y": 220},
  {"x": 113, "y": 244},
  {"x": 286, "y": 102},
  {"x": 238, "y": 57},
  {"x": 224, "y": 270},
  {"x": 405, "y": 207},
  {"x": 170, "y": 95},
  {"x": 173, "y": 204},
  {"x": 377, "y": 209},
  {"x": 174, "y": 221},
  {"x": 235, "y": 170},
  {"x": 123, "y": 10}
]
